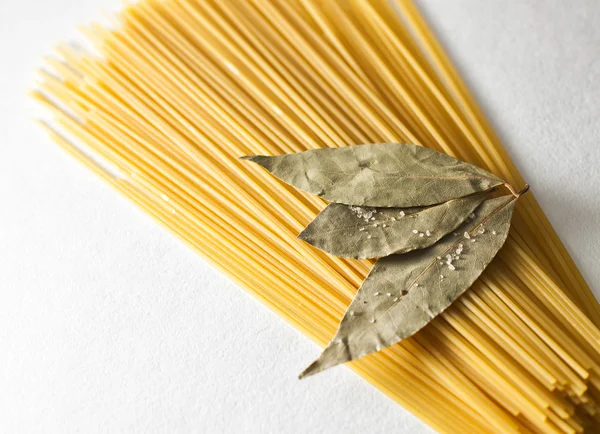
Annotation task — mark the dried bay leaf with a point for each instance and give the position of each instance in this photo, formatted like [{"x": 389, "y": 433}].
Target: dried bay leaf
[
  {"x": 379, "y": 175},
  {"x": 402, "y": 293},
  {"x": 366, "y": 232}
]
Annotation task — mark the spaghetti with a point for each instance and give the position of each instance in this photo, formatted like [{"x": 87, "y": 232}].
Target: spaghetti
[{"x": 182, "y": 88}]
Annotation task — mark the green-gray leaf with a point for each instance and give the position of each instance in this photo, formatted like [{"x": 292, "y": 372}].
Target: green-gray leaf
[
  {"x": 380, "y": 175},
  {"x": 366, "y": 232},
  {"x": 404, "y": 292}
]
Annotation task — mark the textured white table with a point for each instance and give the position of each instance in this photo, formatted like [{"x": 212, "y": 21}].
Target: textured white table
[{"x": 110, "y": 324}]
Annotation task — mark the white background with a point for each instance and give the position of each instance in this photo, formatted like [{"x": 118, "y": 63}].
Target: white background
[{"x": 110, "y": 324}]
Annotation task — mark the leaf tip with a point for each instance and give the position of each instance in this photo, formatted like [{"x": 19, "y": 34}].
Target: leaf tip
[
  {"x": 312, "y": 369},
  {"x": 249, "y": 157},
  {"x": 262, "y": 160},
  {"x": 304, "y": 236},
  {"x": 331, "y": 356},
  {"x": 315, "y": 367}
]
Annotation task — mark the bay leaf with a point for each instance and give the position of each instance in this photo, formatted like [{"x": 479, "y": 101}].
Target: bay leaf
[
  {"x": 402, "y": 293},
  {"x": 379, "y": 175},
  {"x": 351, "y": 231}
]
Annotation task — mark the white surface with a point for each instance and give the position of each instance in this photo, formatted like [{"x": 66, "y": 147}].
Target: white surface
[{"x": 109, "y": 324}]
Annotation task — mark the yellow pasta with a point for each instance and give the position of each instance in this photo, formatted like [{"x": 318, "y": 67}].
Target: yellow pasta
[{"x": 180, "y": 89}]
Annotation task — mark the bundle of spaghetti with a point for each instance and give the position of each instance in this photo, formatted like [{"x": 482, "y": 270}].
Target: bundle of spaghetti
[{"x": 177, "y": 90}]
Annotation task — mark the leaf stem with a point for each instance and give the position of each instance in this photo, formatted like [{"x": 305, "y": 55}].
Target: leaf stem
[
  {"x": 524, "y": 190},
  {"x": 514, "y": 192}
]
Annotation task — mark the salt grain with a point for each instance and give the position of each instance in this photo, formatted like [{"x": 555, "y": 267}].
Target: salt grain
[
  {"x": 452, "y": 267},
  {"x": 414, "y": 231},
  {"x": 428, "y": 233},
  {"x": 421, "y": 234},
  {"x": 466, "y": 234},
  {"x": 361, "y": 212}
]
